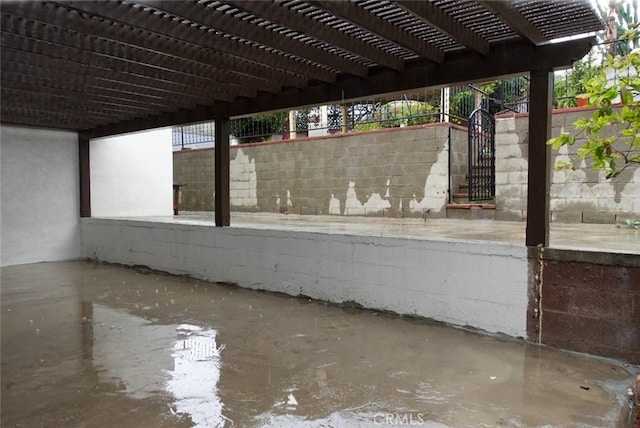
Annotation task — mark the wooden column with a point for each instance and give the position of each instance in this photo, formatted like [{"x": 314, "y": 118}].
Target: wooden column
[
  {"x": 85, "y": 176},
  {"x": 293, "y": 126},
  {"x": 539, "y": 178},
  {"x": 345, "y": 118},
  {"x": 222, "y": 204}
]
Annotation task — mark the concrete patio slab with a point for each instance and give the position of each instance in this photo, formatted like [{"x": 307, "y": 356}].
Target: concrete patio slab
[{"x": 96, "y": 345}]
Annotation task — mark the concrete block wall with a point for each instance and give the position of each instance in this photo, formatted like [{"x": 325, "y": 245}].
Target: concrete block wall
[
  {"x": 195, "y": 169},
  {"x": 590, "y": 302},
  {"x": 402, "y": 172},
  {"x": 391, "y": 172},
  {"x": 512, "y": 136},
  {"x": 580, "y": 196},
  {"x": 486, "y": 290},
  {"x": 459, "y": 159}
]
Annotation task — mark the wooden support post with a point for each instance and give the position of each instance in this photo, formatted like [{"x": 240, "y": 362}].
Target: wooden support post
[
  {"x": 293, "y": 126},
  {"x": 539, "y": 177},
  {"x": 222, "y": 161},
  {"x": 345, "y": 118},
  {"x": 85, "y": 176}
]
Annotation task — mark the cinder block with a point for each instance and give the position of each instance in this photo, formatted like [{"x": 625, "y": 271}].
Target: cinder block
[
  {"x": 510, "y": 215},
  {"x": 566, "y": 217},
  {"x": 598, "y": 217}
]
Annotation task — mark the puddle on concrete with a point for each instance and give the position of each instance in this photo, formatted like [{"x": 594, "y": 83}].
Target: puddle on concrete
[{"x": 93, "y": 345}]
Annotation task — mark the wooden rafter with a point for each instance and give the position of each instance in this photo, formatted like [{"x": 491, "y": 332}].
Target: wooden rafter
[
  {"x": 437, "y": 18},
  {"x": 105, "y": 67},
  {"x": 511, "y": 16},
  {"x": 61, "y": 73},
  {"x": 150, "y": 21},
  {"x": 139, "y": 41},
  {"x": 507, "y": 59},
  {"x": 280, "y": 14},
  {"x": 214, "y": 19},
  {"x": 107, "y": 57},
  {"x": 363, "y": 18}
]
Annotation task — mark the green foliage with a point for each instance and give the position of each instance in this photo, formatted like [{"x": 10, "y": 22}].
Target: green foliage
[
  {"x": 399, "y": 113},
  {"x": 368, "y": 126},
  {"x": 505, "y": 94},
  {"x": 610, "y": 138},
  {"x": 570, "y": 85},
  {"x": 407, "y": 113},
  {"x": 625, "y": 13},
  {"x": 632, "y": 224},
  {"x": 258, "y": 128},
  {"x": 461, "y": 106}
]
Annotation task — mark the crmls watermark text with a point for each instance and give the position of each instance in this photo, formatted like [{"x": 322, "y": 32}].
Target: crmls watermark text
[{"x": 408, "y": 418}]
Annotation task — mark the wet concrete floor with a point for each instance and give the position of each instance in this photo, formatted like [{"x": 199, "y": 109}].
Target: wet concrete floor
[{"x": 92, "y": 345}]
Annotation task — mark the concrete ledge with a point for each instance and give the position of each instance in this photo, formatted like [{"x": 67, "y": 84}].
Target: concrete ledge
[
  {"x": 593, "y": 257},
  {"x": 480, "y": 285}
]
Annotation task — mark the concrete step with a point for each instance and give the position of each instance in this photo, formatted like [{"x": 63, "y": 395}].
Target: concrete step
[{"x": 471, "y": 210}]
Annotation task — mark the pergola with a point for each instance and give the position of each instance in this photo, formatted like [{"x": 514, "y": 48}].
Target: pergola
[{"x": 110, "y": 67}]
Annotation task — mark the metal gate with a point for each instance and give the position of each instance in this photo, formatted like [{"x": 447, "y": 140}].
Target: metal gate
[{"x": 482, "y": 160}]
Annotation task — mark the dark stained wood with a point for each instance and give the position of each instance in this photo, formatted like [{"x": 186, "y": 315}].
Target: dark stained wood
[
  {"x": 437, "y": 18},
  {"x": 175, "y": 52},
  {"x": 224, "y": 22},
  {"x": 25, "y": 67},
  {"x": 361, "y": 17},
  {"x": 222, "y": 162},
  {"x": 157, "y": 24},
  {"x": 106, "y": 67},
  {"x": 511, "y": 16},
  {"x": 280, "y": 14},
  {"x": 539, "y": 175},
  {"x": 85, "y": 176},
  {"x": 461, "y": 67},
  {"x": 120, "y": 58}
]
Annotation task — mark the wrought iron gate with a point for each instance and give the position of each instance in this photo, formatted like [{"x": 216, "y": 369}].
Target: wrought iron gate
[{"x": 482, "y": 160}]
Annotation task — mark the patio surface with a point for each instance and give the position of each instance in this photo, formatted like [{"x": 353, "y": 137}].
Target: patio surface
[
  {"x": 88, "y": 344},
  {"x": 580, "y": 236}
]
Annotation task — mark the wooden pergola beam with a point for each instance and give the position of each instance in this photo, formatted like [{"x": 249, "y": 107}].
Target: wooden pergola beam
[
  {"x": 175, "y": 28},
  {"x": 105, "y": 57},
  {"x": 214, "y": 19},
  {"x": 136, "y": 42},
  {"x": 362, "y": 18},
  {"x": 510, "y": 15},
  {"x": 23, "y": 67},
  {"x": 431, "y": 14},
  {"x": 503, "y": 60},
  {"x": 280, "y": 14}
]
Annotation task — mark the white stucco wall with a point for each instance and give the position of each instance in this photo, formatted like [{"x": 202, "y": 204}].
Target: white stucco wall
[
  {"x": 483, "y": 285},
  {"x": 132, "y": 175},
  {"x": 40, "y": 195}
]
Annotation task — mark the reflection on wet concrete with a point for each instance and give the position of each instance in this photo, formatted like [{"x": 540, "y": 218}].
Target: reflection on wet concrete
[
  {"x": 195, "y": 376},
  {"x": 92, "y": 345}
]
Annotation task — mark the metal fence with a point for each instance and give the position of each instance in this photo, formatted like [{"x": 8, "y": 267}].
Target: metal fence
[{"x": 415, "y": 108}]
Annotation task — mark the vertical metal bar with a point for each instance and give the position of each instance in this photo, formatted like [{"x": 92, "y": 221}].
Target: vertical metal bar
[
  {"x": 470, "y": 131},
  {"x": 493, "y": 159},
  {"x": 222, "y": 162},
  {"x": 85, "y": 175},
  {"x": 450, "y": 181},
  {"x": 539, "y": 175}
]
